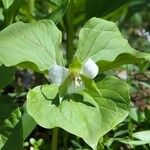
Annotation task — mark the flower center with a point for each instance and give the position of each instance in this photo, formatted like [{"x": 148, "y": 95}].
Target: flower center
[{"x": 76, "y": 79}]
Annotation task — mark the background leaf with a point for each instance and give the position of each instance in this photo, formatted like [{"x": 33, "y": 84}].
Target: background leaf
[
  {"x": 56, "y": 2},
  {"x": 28, "y": 124},
  {"x": 14, "y": 127},
  {"x": 132, "y": 142},
  {"x": 142, "y": 135},
  {"x": 11, "y": 13},
  {"x": 7, "y": 3},
  {"x": 57, "y": 14},
  {"x": 6, "y": 75},
  {"x": 102, "y": 8},
  {"x": 10, "y": 132}
]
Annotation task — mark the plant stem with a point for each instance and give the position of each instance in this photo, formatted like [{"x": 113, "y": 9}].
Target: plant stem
[
  {"x": 70, "y": 32},
  {"x": 54, "y": 139},
  {"x": 31, "y": 7},
  {"x": 11, "y": 12},
  {"x": 8, "y": 19},
  {"x": 127, "y": 69}
]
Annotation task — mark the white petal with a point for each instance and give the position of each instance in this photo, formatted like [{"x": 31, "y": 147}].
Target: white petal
[
  {"x": 148, "y": 38},
  {"x": 89, "y": 69},
  {"x": 58, "y": 74},
  {"x": 75, "y": 89}
]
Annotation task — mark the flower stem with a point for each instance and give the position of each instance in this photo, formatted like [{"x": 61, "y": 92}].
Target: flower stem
[
  {"x": 54, "y": 139},
  {"x": 70, "y": 32},
  {"x": 31, "y": 7},
  {"x": 8, "y": 19}
]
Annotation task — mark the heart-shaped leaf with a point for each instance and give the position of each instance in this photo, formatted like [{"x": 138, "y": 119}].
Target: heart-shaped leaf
[
  {"x": 87, "y": 115},
  {"x": 32, "y": 45},
  {"x": 102, "y": 41}
]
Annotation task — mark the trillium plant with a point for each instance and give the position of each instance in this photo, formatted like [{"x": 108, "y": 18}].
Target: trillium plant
[
  {"x": 59, "y": 74},
  {"x": 78, "y": 99}
]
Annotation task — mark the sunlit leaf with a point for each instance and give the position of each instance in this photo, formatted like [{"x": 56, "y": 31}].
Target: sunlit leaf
[
  {"x": 33, "y": 45},
  {"x": 102, "y": 41},
  {"x": 88, "y": 115}
]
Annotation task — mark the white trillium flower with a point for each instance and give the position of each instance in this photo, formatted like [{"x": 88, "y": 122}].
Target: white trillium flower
[{"x": 58, "y": 74}]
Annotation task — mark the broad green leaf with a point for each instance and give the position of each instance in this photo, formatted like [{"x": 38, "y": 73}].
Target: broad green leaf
[
  {"x": 102, "y": 41},
  {"x": 34, "y": 46},
  {"x": 6, "y": 75},
  {"x": 121, "y": 59},
  {"x": 10, "y": 125},
  {"x": 114, "y": 101},
  {"x": 88, "y": 115},
  {"x": 7, "y": 3}
]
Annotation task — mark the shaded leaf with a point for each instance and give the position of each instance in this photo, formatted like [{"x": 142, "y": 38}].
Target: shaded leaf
[
  {"x": 12, "y": 11},
  {"x": 57, "y": 14},
  {"x": 10, "y": 125},
  {"x": 102, "y": 8},
  {"x": 14, "y": 129},
  {"x": 28, "y": 124},
  {"x": 6, "y": 75},
  {"x": 56, "y": 2}
]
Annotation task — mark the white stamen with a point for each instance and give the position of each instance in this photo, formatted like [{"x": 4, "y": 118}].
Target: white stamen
[{"x": 76, "y": 83}]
